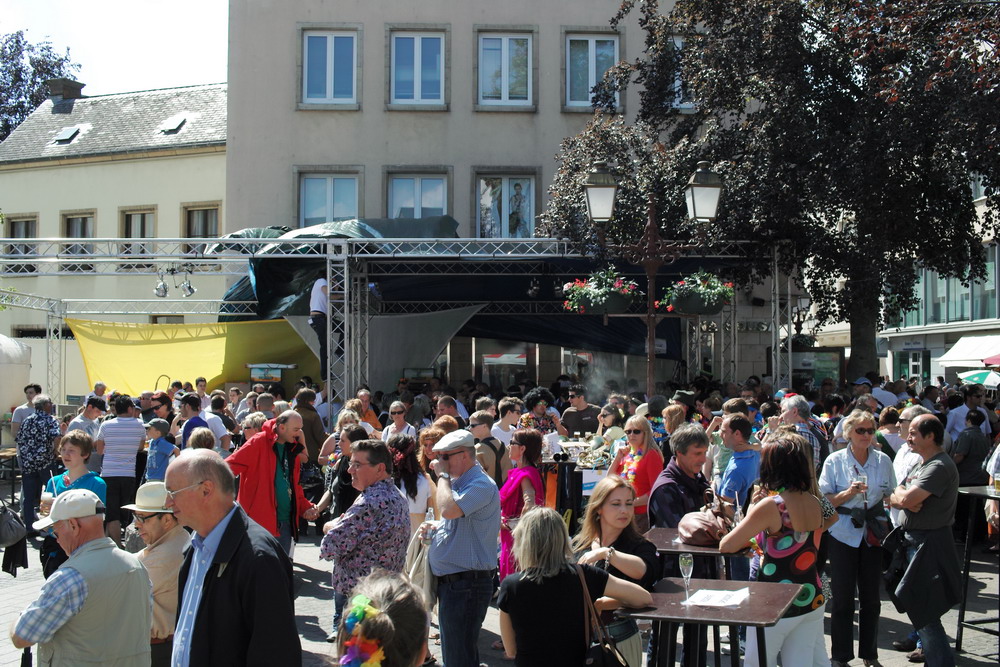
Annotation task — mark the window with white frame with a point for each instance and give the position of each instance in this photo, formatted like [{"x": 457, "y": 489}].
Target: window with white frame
[
  {"x": 505, "y": 69},
  {"x": 78, "y": 227},
  {"x": 417, "y": 196},
  {"x": 506, "y": 206},
  {"x": 323, "y": 197},
  {"x": 136, "y": 225},
  {"x": 588, "y": 57},
  {"x": 417, "y": 68},
  {"x": 329, "y": 61},
  {"x": 21, "y": 228}
]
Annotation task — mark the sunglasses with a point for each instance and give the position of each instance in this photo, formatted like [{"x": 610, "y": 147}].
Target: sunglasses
[
  {"x": 865, "y": 431},
  {"x": 397, "y": 412},
  {"x": 544, "y": 404},
  {"x": 445, "y": 457},
  {"x": 573, "y": 396},
  {"x": 633, "y": 431},
  {"x": 475, "y": 425}
]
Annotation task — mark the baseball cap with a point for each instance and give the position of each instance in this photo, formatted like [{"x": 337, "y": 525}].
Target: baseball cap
[
  {"x": 150, "y": 497},
  {"x": 160, "y": 425},
  {"x": 455, "y": 440},
  {"x": 863, "y": 380},
  {"x": 72, "y": 504}
]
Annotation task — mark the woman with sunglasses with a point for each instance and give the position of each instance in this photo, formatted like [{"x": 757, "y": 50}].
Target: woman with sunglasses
[
  {"x": 639, "y": 464},
  {"x": 522, "y": 491},
  {"x": 856, "y": 480},
  {"x": 397, "y": 423},
  {"x": 610, "y": 423}
]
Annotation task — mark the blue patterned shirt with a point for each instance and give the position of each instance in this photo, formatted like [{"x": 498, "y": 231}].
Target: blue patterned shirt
[
  {"x": 60, "y": 599},
  {"x": 35, "y": 439}
]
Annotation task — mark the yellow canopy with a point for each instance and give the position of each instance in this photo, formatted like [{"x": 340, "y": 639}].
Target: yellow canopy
[{"x": 131, "y": 357}]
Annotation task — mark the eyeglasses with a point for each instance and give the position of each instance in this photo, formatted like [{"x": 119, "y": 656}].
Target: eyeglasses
[
  {"x": 544, "y": 404},
  {"x": 397, "y": 412},
  {"x": 173, "y": 494},
  {"x": 865, "y": 431},
  {"x": 633, "y": 431},
  {"x": 445, "y": 457},
  {"x": 573, "y": 396},
  {"x": 143, "y": 518},
  {"x": 471, "y": 425},
  {"x": 352, "y": 464}
]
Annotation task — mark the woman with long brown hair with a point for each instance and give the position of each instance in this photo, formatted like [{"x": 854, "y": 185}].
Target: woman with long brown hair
[{"x": 608, "y": 540}]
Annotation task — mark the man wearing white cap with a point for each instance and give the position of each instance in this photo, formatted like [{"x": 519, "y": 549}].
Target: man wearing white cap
[
  {"x": 463, "y": 551},
  {"x": 93, "y": 610},
  {"x": 165, "y": 542}
]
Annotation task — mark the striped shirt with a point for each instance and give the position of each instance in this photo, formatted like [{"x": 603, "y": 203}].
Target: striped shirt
[{"x": 122, "y": 438}]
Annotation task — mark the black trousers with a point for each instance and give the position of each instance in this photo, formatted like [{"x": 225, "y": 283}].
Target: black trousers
[{"x": 855, "y": 575}]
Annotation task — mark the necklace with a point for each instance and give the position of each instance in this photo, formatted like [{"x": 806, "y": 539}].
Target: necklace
[{"x": 631, "y": 462}]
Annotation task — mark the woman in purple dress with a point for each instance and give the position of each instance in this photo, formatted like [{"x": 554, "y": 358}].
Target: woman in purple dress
[{"x": 522, "y": 491}]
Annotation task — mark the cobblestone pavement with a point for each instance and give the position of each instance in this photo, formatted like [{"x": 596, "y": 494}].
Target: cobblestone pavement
[{"x": 314, "y": 609}]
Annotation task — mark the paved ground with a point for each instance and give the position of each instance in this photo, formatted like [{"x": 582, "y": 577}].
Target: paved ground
[{"x": 314, "y": 610}]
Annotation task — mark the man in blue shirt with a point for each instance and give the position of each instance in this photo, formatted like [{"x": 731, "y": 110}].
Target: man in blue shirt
[
  {"x": 237, "y": 604},
  {"x": 463, "y": 551},
  {"x": 739, "y": 477}
]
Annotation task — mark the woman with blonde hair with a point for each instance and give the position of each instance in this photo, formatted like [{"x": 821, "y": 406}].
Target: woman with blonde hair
[
  {"x": 673, "y": 416},
  {"x": 425, "y": 454},
  {"x": 541, "y": 615},
  {"x": 330, "y": 444},
  {"x": 608, "y": 540},
  {"x": 639, "y": 463}
]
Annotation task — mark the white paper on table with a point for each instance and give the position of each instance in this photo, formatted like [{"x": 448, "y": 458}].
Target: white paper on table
[{"x": 707, "y": 598}]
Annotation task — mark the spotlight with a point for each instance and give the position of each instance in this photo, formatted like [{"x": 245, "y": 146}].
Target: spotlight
[
  {"x": 161, "y": 288},
  {"x": 534, "y": 288},
  {"x": 187, "y": 289}
]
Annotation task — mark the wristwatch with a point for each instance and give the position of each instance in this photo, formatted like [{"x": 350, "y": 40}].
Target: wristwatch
[{"x": 444, "y": 475}]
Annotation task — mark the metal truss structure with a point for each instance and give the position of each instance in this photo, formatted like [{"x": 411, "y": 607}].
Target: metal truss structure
[{"x": 351, "y": 267}]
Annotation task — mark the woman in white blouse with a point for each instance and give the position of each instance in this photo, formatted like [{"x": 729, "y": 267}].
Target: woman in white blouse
[{"x": 398, "y": 425}]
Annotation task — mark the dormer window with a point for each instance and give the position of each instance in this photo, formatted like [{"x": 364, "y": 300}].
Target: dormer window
[{"x": 173, "y": 124}]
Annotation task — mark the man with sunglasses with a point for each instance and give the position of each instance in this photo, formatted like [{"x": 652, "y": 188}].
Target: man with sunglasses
[
  {"x": 973, "y": 394},
  {"x": 581, "y": 416},
  {"x": 463, "y": 550},
  {"x": 165, "y": 541}
]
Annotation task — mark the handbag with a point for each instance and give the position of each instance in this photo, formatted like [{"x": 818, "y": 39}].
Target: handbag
[
  {"x": 877, "y": 528},
  {"x": 12, "y": 529},
  {"x": 707, "y": 526},
  {"x": 600, "y": 648}
]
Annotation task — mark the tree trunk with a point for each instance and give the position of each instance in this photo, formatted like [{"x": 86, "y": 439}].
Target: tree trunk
[{"x": 863, "y": 319}]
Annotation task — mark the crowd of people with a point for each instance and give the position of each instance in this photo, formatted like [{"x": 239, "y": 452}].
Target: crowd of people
[{"x": 432, "y": 501}]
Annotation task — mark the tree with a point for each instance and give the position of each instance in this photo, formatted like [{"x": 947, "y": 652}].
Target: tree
[
  {"x": 24, "y": 69},
  {"x": 857, "y": 188}
]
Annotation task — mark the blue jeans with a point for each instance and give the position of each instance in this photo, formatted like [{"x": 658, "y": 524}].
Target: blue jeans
[
  {"x": 339, "y": 600},
  {"x": 937, "y": 650},
  {"x": 32, "y": 484},
  {"x": 462, "y": 606},
  {"x": 285, "y": 536}
]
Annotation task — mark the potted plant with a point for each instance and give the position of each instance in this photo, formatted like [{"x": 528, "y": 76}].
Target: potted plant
[
  {"x": 701, "y": 293},
  {"x": 603, "y": 292}
]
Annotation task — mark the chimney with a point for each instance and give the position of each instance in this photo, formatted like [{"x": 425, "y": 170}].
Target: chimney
[{"x": 64, "y": 89}]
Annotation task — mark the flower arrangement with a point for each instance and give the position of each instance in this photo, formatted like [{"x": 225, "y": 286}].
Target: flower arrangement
[
  {"x": 700, "y": 286},
  {"x": 599, "y": 292}
]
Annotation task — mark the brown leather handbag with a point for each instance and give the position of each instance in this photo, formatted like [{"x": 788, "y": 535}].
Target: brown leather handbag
[{"x": 707, "y": 526}]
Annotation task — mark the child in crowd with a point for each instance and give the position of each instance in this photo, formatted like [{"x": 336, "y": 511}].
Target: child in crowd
[{"x": 160, "y": 450}]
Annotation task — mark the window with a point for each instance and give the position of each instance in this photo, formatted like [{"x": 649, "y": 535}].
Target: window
[
  {"x": 200, "y": 223},
  {"x": 506, "y": 206},
  {"x": 329, "y": 66},
  {"x": 323, "y": 197},
  {"x": 20, "y": 228},
  {"x": 958, "y": 300},
  {"x": 417, "y": 68},
  {"x": 136, "y": 225},
  {"x": 78, "y": 227},
  {"x": 505, "y": 69},
  {"x": 937, "y": 292},
  {"x": 978, "y": 188},
  {"x": 417, "y": 196},
  {"x": 588, "y": 57},
  {"x": 985, "y": 293},
  {"x": 682, "y": 96}
]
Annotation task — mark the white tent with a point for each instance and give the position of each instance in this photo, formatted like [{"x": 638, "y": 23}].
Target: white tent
[{"x": 970, "y": 351}]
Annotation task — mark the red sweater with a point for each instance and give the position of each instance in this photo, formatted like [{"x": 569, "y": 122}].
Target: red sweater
[
  {"x": 646, "y": 472},
  {"x": 255, "y": 463}
]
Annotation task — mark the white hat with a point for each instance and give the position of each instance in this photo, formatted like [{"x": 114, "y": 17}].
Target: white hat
[
  {"x": 72, "y": 504},
  {"x": 455, "y": 440},
  {"x": 150, "y": 497}
]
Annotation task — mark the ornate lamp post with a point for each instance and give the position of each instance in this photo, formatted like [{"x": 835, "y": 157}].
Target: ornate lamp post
[{"x": 702, "y": 194}]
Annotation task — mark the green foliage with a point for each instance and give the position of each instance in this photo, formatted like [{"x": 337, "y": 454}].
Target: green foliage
[
  {"x": 24, "y": 69},
  {"x": 702, "y": 284},
  {"x": 581, "y": 294}
]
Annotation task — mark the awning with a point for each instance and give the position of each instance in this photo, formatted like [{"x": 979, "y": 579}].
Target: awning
[{"x": 970, "y": 351}]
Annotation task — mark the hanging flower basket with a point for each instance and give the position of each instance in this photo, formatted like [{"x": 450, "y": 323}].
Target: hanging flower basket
[
  {"x": 603, "y": 292},
  {"x": 701, "y": 293}
]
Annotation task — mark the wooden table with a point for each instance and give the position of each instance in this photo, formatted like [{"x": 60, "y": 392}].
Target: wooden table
[
  {"x": 976, "y": 494},
  {"x": 8, "y": 461},
  {"x": 766, "y": 606},
  {"x": 666, "y": 541}
]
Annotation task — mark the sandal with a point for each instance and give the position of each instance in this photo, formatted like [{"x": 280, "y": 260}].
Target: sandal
[{"x": 497, "y": 645}]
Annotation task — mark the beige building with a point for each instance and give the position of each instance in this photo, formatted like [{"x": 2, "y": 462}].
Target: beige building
[
  {"x": 144, "y": 165},
  {"x": 393, "y": 109}
]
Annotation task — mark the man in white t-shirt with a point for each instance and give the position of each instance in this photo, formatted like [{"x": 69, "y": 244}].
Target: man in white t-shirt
[
  {"x": 100, "y": 391},
  {"x": 87, "y": 421},
  {"x": 509, "y": 409},
  {"x": 973, "y": 394},
  {"x": 21, "y": 412},
  {"x": 119, "y": 441}
]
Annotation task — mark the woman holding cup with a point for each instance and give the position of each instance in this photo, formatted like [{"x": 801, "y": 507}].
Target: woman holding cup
[
  {"x": 856, "y": 480},
  {"x": 74, "y": 450}
]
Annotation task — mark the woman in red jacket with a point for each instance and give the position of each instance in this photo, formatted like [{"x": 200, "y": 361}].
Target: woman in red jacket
[{"x": 639, "y": 463}]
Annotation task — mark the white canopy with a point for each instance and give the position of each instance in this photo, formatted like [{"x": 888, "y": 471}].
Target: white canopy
[{"x": 970, "y": 351}]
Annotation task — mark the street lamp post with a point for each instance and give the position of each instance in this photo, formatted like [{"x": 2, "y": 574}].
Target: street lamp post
[{"x": 651, "y": 252}]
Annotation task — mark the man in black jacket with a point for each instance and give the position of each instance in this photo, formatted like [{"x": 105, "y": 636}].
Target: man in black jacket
[{"x": 236, "y": 599}]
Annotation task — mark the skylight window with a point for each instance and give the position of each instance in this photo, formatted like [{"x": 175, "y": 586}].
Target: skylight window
[
  {"x": 66, "y": 135},
  {"x": 173, "y": 124}
]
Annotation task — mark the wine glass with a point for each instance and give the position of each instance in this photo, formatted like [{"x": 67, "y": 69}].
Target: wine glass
[{"x": 686, "y": 562}]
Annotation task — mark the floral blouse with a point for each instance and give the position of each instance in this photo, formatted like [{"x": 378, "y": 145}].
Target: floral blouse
[
  {"x": 544, "y": 424},
  {"x": 373, "y": 532}
]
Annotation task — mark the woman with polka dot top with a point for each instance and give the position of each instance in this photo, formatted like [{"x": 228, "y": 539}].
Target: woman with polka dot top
[{"x": 786, "y": 524}]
